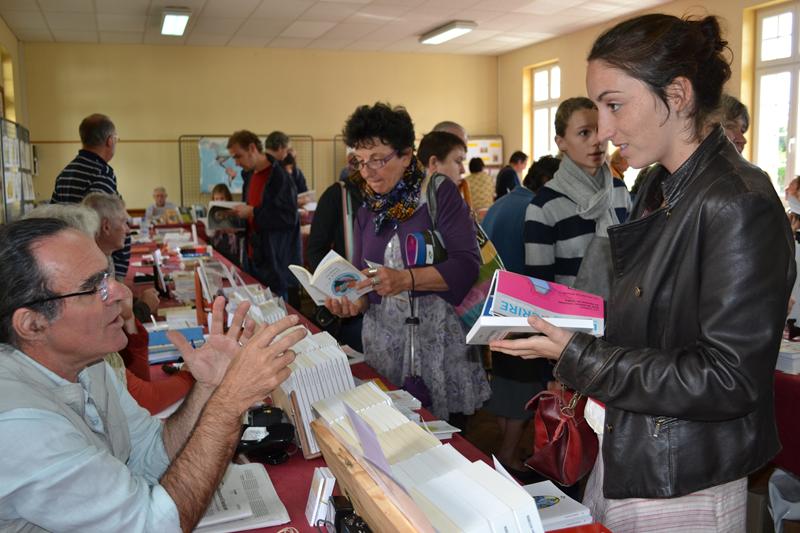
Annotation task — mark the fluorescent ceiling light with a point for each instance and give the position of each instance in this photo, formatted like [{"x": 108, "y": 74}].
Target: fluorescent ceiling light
[
  {"x": 449, "y": 31},
  {"x": 174, "y": 20}
]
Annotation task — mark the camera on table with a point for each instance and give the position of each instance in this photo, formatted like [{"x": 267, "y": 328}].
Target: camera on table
[{"x": 265, "y": 436}]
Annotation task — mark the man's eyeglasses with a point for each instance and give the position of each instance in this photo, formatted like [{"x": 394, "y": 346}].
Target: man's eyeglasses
[
  {"x": 101, "y": 288},
  {"x": 374, "y": 164}
]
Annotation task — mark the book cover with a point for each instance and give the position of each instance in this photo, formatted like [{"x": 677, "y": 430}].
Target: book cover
[
  {"x": 513, "y": 297},
  {"x": 518, "y": 295},
  {"x": 556, "y": 509},
  {"x": 334, "y": 277},
  {"x": 221, "y": 216}
]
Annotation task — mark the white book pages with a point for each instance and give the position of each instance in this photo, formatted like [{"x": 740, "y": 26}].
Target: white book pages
[
  {"x": 463, "y": 515},
  {"x": 510, "y": 492},
  {"x": 332, "y": 355},
  {"x": 433, "y": 513},
  {"x": 253, "y": 484},
  {"x": 500, "y": 516},
  {"x": 321, "y": 489},
  {"x": 323, "y": 338},
  {"x": 445, "y": 457},
  {"x": 556, "y": 509}
]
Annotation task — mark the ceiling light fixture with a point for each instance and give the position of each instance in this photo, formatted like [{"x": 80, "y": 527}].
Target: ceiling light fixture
[
  {"x": 174, "y": 20},
  {"x": 449, "y": 31}
]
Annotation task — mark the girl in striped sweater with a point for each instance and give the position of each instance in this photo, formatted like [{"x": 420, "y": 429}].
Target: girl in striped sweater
[{"x": 566, "y": 221}]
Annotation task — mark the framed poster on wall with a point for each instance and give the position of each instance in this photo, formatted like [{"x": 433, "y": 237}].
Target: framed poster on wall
[{"x": 487, "y": 147}]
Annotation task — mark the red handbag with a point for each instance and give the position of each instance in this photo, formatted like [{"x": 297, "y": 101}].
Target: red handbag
[{"x": 564, "y": 445}]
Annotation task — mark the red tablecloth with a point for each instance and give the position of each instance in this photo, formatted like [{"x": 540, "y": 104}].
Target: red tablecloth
[
  {"x": 292, "y": 479},
  {"x": 787, "y": 398}
]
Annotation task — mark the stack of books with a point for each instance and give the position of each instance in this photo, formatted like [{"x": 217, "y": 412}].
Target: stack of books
[
  {"x": 789, "y": 357},
  {"x": 319, "y": 371},
  {"x": 451, "y": 492},
  {"x": 319, "y": 496},
  {"x": 439, "y": 428},
  {"x": 556, "y": 509},
  {"x": 513, "y": 298},
  {"x": 160, "y": 348}
]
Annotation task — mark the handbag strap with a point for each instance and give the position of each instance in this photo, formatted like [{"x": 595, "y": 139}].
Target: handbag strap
[
  {"x": 569, "y": 409},
  {"x": 347, "y": 222},
  {"x": 430, "y": 194}
]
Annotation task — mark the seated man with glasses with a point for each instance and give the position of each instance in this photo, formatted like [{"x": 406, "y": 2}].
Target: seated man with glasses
[{"x": 76, "y": 452}]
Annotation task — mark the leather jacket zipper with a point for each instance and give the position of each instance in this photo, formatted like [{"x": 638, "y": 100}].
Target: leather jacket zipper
[{"x": 661, "y": 422}]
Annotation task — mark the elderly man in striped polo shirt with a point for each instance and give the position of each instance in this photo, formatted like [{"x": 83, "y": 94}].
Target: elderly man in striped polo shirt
[{"x": 90, "y": 172}]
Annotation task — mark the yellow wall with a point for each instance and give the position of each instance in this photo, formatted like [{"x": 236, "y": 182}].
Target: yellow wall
[
  {"x": 14, "y": 92},
  {"x": 154, "y": 94},
  {"x": 571, "y": 51}
]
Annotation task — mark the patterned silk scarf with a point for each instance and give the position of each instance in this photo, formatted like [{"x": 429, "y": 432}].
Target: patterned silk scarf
[{"x": 398, "y": 204}]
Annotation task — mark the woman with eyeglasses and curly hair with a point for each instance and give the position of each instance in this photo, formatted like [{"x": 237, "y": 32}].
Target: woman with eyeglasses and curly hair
[{"x": 394, "y": 187}]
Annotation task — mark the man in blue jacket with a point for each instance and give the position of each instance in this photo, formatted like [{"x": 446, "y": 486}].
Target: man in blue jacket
[{"x": 273, "y": 225}]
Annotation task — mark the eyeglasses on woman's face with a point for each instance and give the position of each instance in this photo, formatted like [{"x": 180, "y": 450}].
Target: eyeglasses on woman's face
[{"x": 373, "y": 163}]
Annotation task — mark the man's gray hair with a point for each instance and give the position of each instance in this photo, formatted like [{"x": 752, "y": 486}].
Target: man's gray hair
[
  {"x": 76, "y": 216},
  {"x": 106, "y": 205},
  {"x": 95, "y": 129},
  {"x": 452, "y": 127}
]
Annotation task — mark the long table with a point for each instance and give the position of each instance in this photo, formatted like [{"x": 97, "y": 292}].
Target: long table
[{"x": 292, "y": 479}]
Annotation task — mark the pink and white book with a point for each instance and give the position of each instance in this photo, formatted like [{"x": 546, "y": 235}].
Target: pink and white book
[{"x": 515, "y": 297}]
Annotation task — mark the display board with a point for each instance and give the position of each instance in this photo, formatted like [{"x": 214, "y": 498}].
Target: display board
[
  {"x": 17, "y": 180},
  {"x": 487, "y": 147}
]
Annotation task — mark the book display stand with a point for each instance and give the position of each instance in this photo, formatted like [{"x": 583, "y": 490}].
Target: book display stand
[
  {"x": 292, "y": 409},
  {"x": 369, "y": 500}
]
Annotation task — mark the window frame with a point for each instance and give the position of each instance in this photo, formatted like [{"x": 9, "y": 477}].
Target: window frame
[
  {"x": 790, "y": 64},
  {"x": 550, "y": 103}
]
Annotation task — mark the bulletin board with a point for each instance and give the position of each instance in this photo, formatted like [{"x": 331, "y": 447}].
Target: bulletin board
[{"x": 487, "y": 147}]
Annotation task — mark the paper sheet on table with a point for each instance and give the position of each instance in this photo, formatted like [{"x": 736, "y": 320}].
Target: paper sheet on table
[{"x": 252, "y": 485}]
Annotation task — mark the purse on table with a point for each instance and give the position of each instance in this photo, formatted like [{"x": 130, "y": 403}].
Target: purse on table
[{"x": 564, "y": 445}]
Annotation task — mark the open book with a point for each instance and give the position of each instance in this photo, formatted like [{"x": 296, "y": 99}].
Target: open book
[
  {"x": 513, "y": 298},
  {"x": 222, "y": 216},
  {"x": 335, "y": 277}
]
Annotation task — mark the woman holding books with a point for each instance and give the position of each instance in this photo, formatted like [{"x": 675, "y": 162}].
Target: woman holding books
[
  {"x": 393, "y": 184},
  {"x": 702, "y": 275}
]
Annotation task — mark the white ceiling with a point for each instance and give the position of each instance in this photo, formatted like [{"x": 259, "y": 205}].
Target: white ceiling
[{"x": 369, "y": 25}]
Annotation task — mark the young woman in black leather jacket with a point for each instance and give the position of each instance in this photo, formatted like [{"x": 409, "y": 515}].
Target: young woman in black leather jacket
[{"x": 702, "y": 276}]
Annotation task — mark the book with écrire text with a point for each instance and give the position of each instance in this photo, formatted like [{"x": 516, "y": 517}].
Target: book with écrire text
[
  {"x": 514, "y": 297},
  {"x": 334, "y": 277}
]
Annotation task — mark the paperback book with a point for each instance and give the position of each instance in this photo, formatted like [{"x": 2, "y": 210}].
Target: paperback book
[
  {"x": 221, "y": 216},
  {"x": 513, "y": 298},
  {"x": 335, "y": 277},
  {"x": 556, "y": 509}
]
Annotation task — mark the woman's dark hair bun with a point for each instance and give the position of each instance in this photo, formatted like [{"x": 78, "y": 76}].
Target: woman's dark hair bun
[
  {"x": 713, "y": 34},
  {"x": 657, "y": 48}
]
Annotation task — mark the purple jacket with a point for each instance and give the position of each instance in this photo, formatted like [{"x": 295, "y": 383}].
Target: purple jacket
[{"x": 460, "y": 270}]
